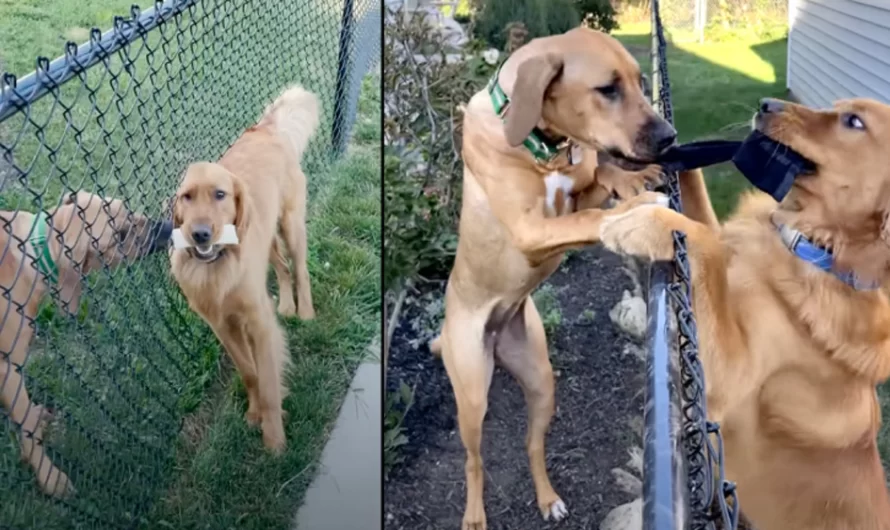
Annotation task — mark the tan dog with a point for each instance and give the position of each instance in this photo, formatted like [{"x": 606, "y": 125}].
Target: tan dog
[
  {"x": 84, "y": 233},
  {"x": 792, "y": 352},
  {"x": 532, "y": 186},
  {"x": 259, "y": 187}
]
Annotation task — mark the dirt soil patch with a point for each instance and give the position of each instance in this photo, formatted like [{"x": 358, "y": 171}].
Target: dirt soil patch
[{"x": 598, "y": 397}]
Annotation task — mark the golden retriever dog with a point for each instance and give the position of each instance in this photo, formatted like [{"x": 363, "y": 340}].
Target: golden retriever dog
[
  {"x": 533, "y": 186},
  {"x": 51, "y": 254},
  {"x": 794, "y": 332},
  {"x": 259, "y": 187}
]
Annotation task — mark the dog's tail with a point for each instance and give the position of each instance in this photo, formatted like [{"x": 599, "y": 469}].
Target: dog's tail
[{"x": 294, "y": 116}]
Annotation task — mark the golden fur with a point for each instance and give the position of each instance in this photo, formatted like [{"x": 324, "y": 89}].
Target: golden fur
[
  {"x": 792, "y": 354},
  {"x": 259, "y": 187},
  {"x": 85, "y": 232},
  {"x": 518, "y": 217}
]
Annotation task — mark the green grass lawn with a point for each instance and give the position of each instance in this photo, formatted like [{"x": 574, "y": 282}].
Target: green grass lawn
[
  {"x": 148, "y": 425},
  {"x": 715, "y": 90}
]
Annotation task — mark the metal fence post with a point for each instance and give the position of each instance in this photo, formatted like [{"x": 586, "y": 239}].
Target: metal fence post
[
  {"x": 665, "y": 493},
  {"x": 338, "y": 134}
]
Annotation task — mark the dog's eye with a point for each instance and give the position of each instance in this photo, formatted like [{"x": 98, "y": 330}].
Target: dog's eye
[
  {"x": 186, "y": 197},
  {"x": 852, "y": 121},
  {"x": 220, "y": 195},
  {"x": 608, "y": 91}
]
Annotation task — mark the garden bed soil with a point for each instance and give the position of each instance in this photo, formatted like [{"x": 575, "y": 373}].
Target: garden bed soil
[{"x": 599, "y": 378}]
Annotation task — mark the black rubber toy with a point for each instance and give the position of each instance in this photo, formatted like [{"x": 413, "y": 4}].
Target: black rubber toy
[{"x": 770, "y": 166}]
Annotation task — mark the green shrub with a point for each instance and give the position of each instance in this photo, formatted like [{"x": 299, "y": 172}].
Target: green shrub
[
  {"x": 598, "y": 14},
  {"x": 423, "y": 85},
  {"x": 398, "y": 403},
  {"x": 541, "y": 17}
]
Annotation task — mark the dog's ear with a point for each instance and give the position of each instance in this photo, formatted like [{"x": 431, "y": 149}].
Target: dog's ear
[
  {"x": 533, "y": 78},
  {"x": 174, "y": 210},
  {"x": 243, "y": 206}
]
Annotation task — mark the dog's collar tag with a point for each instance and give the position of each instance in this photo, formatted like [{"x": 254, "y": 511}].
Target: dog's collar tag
[
  {"x": 812, "y": 253},
  {"x": 541, "y": 147},
  {"x": 39, "y": 239}
]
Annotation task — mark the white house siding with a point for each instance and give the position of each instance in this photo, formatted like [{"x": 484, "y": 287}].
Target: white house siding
[{"x": 838, "y": 49}]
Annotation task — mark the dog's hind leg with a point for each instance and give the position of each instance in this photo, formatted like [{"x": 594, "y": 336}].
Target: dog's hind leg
[
  {"x": 470, "y": 366},
  {"x": 522, "y": 350},
  {"x": 287, "y": 307},
  {"x": 293, "y": 229},
  {"x": 29, "y": 417}
]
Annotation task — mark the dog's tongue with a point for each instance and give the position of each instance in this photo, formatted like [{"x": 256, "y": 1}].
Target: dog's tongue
[{"x": 770, "y": 166}]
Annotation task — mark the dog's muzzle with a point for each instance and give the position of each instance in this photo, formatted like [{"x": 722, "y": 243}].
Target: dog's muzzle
[{"x": 654, "y": 138}]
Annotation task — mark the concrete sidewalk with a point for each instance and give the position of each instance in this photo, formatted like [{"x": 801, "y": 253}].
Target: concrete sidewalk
[{"x": 347, "y": 492}]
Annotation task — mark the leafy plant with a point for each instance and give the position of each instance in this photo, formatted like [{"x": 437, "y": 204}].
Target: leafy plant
[
  {"x": 398, "y": 403},
  {"x": 425, "y": 80},
  {"x": 541, "y": 17},
  {"x": 598, "y": 14}
]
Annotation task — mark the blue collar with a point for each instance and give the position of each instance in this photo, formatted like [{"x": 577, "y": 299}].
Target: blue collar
[{"x": 812, "y": 253}]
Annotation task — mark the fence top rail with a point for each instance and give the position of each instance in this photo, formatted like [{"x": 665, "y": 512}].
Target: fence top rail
[{"x": 18, "y": 94}]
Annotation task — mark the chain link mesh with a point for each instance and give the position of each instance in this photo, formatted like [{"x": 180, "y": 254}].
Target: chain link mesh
[
  {"x": 715, "y": 19},
  {"x": 96, "y": 398},
  {"x": 712, "y": 503}
]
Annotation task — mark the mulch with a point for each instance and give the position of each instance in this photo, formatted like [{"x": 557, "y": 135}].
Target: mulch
[{"x": 598, "y": 397}]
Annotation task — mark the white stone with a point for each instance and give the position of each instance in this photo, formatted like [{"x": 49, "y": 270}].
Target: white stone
[
  {"x": 630, "y": 315},
  {"x": 491, "y": 56},
  {"x": 625, "y": 517}
]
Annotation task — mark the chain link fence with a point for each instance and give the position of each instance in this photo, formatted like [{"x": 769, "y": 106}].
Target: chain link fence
[
  {"x": 683, "y": 450},
  {"x": 101, "y": 359},
  {"x": 713, "y": 20}
]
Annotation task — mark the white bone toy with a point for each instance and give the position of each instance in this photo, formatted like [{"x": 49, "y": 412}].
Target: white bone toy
[{"x": 228, "y": 237}]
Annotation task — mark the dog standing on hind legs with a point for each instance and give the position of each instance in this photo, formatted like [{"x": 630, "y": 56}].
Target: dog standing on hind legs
[
  {"x": 259, "y": 187},
  {"x": 532, "y": 189}
]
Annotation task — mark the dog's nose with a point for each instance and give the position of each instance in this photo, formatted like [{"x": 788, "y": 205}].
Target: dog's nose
[
  {"x": 771, "y": 106},
  {"x": 201, "y": 234},
  {"x": 663, "y": 136}
]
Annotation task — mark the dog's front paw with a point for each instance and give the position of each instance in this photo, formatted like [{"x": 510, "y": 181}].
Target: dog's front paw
[
  {"x": 287, "y": 307},
  {"x": 306, "y": 312},
  {"x": 647, "y": 197},
  {"x": 633, "y": 183},
  {"x": 473, "y": 521},
  {"x": 253, "y": 417},
  {"x": 639, "y": 232},
  {"x": 273, "y": 434}
]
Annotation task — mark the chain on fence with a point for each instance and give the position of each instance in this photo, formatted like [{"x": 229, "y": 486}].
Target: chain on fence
[
  {"x": 683, "y": 449},
  {"x": 100, "y": 357}
]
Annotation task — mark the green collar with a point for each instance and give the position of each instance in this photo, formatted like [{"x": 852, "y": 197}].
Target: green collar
[
  {"x": 40, "y": 241},
  {"x": 539, "y": 144}
]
